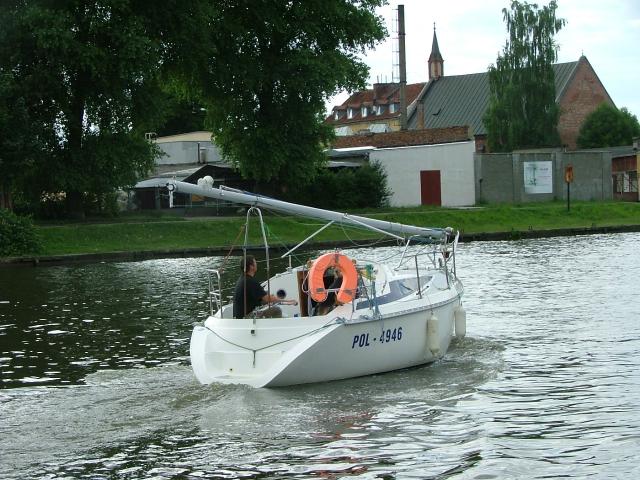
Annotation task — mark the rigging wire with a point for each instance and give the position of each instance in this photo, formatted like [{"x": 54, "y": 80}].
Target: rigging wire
[{"x": 328, "y": 324}]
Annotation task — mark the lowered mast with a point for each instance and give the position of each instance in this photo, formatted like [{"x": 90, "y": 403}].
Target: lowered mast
[{"x": 236, "y": 196}]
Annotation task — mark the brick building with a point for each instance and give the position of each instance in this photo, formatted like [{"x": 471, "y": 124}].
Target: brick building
[
  {"x": 375, "y": 110},
  {"x": 581, "y": 93},
  {"x": 446, "y": 101}
]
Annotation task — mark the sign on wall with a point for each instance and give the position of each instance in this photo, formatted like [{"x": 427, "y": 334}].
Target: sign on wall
[{"x": 538, "y": 177}]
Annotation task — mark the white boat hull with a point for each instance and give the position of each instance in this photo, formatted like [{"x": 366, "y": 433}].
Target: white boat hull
[{"x": 346, "y": 343}]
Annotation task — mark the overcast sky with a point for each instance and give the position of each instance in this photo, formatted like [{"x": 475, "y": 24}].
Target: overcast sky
[{"x": 471, "y": 33}]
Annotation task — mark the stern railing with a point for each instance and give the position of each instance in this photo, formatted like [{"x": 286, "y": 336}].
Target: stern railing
[{"x": 215, "y": 290}]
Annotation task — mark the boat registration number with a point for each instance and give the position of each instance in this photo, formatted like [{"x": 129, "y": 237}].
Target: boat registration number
[{"x": 366, "y": 340}]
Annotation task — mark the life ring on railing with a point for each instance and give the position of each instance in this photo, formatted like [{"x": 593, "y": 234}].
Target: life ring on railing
[{"x": 338, "y": 261}]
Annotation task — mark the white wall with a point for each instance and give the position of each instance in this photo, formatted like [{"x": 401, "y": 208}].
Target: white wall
[
  {"x": 403, "y": 166},
  {"x": 186, "y": 152}
]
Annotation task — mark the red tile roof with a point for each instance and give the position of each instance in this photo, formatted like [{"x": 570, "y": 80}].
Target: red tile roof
[
  {"x": 380, "y": 94},
  {"x": 404, "y": 138}
]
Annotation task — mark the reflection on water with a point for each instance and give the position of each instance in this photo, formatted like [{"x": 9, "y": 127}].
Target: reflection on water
[
  {"x": 96, "y": 381},
  {"x": 59, "y": 324}
]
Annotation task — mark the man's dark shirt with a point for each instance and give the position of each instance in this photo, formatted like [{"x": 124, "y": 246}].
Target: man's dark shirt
[
  {"x": 330, "y": 301},
  {"x": 255, "y": 292}
]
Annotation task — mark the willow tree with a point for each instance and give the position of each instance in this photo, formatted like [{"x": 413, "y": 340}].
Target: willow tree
[{"x": 522, "y": 104}]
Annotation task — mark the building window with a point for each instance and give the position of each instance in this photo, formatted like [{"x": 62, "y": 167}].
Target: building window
[
  {"x": 349, "y": 112},
  {"x": 393, "y": 107},
  {"x": 364, "y": 111},
  {"x": 379, "y": 109},
  {"x": 343, "y": 131},
  {"x": 626, "y": 182},
  {"x": 336, "y": 115},
  {"x": 633, "y": 181},
  {"x": 617, "y": 183}
]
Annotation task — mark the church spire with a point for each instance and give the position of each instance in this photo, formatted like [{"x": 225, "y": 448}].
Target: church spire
[{"x": 436, "y": 63}]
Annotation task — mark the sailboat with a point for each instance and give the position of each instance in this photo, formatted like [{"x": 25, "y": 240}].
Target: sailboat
[{"x": 386, "y": 316}]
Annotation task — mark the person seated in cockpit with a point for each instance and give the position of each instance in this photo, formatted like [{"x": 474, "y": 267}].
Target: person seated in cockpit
[
  {"x": 331, "y": 301},
  {"x": 249, "y": 294}
]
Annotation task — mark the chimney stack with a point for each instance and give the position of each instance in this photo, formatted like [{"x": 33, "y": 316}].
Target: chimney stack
[{"x": 403, "y": 69}]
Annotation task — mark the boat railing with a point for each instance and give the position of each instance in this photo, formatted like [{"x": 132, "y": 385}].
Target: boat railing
[
  {"x": 438, "y": 253},
  {"x": 256, "y": 211},
  {"x": 449, "y": 256},
  {"x": 215, "y": 290}
]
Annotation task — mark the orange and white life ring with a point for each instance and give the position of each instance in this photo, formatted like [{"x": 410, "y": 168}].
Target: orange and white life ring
[{"x": 337, "y": 261}]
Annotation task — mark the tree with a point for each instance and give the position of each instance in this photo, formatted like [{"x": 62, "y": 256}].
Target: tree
[
  {"x": 96, "y": 75},
  {"x": 607, "y": 126},
  {"x": 522, "y": 109},
  {"x": 89, "y": 73},
  {"x": 16, "y": 148},
  {"x": 345, "y": 188},
  {"x": 272, "y": 65},
  {"x": 183, "y": 116}
]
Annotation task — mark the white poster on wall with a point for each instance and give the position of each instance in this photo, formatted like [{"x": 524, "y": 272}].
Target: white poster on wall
[{"x": 538, "y": 177}]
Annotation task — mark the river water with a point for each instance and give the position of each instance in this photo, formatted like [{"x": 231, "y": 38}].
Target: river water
[{"x": 95, "y": 379}]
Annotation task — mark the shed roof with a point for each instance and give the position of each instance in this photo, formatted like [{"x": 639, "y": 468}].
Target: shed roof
[
  {"x": 621, "y": 151},
  {"x": 160, "y": 180}
]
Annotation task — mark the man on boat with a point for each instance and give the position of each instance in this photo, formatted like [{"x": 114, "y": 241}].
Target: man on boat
[
  {"x": 332, "y": 301},
  {"x": 249, "y": 294}
]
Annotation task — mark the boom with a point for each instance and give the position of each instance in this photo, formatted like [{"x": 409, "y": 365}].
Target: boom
[{"x": 236, "y": 196}]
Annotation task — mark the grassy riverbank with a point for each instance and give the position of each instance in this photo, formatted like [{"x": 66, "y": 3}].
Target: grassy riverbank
[{"x": 167, "y": 232}]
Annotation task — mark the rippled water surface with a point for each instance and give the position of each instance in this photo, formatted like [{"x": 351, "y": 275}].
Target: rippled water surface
[{"x": 95, "y": 379}]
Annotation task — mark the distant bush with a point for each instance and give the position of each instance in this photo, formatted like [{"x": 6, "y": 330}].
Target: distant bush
[
  {"x": 17, "y": 235},
  {"x": 607, "y": 126},
  {"x": 346, "y": 188},
  {"x": 52, "y": 206},
  {"x": 102, "y": 205}
]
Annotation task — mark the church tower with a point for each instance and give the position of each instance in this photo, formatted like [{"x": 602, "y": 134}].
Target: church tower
[{"x": 436, "y": 63}]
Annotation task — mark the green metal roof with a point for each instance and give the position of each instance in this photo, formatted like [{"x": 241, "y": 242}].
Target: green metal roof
[{"x": 463, "y": 99}]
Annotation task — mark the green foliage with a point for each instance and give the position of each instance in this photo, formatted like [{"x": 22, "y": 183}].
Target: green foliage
[
  {"x": 607, "y": 126},
  {"x": 17, "y": 235},
  {"x": 182, "y": 116},
  {"x": 17, "y": 141},
  {"x": 522, "y": 109},
  {"x": 272, "y": 65},
  {"x": 346, "y": 188},
  {"x": 88, "y": 75},
  {"x": 93, "y": 77}
]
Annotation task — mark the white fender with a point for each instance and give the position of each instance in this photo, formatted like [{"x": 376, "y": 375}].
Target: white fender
[
  {"x": 433, "y": 337},
  {"x": 460, "y": 321}
]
